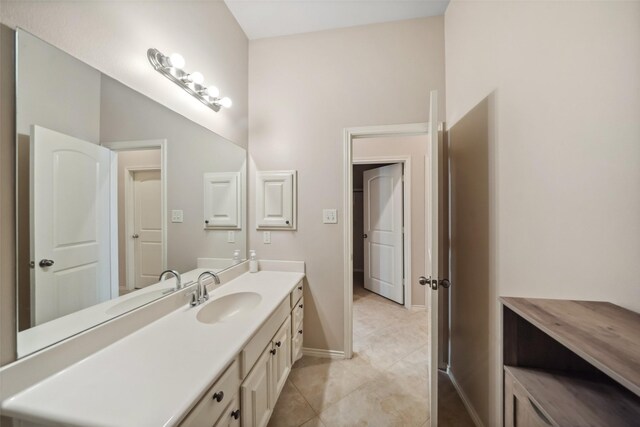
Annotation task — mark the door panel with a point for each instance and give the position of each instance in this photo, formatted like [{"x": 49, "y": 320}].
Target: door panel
[
  {"x": 383, "y": 223},
  {"x": 432, "y": 187},
  {"x": 256, "y": 392},
  {"x": 70, "y": 199},
  {"x": 147, "y": 201},
  {"x": 282, "y": 357}
]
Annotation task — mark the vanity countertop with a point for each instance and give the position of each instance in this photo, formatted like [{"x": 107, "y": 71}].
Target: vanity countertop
[{"x": 154, "y": 376}]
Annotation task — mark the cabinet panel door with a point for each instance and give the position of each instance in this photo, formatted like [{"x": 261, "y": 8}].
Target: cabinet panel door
[
  {"x": 256, "y": 392},
  {"x": 281, "y": 357},
  {"x": 276, "y": 199}
]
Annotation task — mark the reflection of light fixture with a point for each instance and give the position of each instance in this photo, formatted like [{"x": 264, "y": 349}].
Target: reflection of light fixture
[{"x": 193, "y": 83}]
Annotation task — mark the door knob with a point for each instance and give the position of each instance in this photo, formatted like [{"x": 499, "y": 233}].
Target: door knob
[
  {"x": 434, "y": 283},
  {"x": 45, "y": 263},
  {"x": 135, "y": 236},
  {"x": 424, "y": 281}
]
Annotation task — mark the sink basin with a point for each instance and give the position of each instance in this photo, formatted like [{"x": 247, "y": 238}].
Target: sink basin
[
  {"x": 136, "y": 301},
  {"x": 228, "y": 306}
]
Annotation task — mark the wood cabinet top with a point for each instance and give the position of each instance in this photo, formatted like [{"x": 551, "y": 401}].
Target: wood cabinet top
[{"x": 604, "y": 334}]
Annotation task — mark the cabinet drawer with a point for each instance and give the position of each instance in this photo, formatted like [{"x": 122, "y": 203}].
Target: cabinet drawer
[
  {"x": 296, "y": 343},
  {"x": 298, "y": 313},
  {"x": 262, "y": 338},
  {"x": 296, "y": 294},
  {"x": 231, "y": 415},
  {"x": 216, "y": 399}
]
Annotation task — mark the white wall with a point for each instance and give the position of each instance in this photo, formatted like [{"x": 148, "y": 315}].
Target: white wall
[
  {"x": 305, "y": 89},
  {"x": 113, "y": 36},
  {"x": 562, "y": 82}
]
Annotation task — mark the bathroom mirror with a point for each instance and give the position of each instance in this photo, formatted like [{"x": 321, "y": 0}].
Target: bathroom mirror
[{"x": 112, "y": 189}]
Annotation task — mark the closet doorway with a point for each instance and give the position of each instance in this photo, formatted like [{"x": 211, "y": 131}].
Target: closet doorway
[{"x": 381, "y": 227}]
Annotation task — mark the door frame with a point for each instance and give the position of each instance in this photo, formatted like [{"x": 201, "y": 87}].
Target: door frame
[
  {"x": 147, "y": 144},
  {"x": 412, "y": 129},
  {"x": 129, "y": 220},
  {"x": 406, "y": 214}
]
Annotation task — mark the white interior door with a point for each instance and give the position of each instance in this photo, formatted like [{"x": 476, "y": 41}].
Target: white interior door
[
  {"x": 70, "y": 198},
  {"x": 147, "y": 227},
  {"x": 383, "y": 245},
  {"x": 432, "y": 238}
]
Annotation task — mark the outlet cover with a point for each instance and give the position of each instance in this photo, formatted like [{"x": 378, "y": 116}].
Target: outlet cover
[
  {"x": 231, "y": 237},
  {"x": 266, "y": 237},
  {"x": 177, "y": 216},
  {"x": 329, "y": 216}
]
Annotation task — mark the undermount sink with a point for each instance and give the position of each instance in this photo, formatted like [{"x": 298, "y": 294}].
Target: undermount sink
[
  {"x": 136, "y": 301},
  {"x": 228, "y": 306}
]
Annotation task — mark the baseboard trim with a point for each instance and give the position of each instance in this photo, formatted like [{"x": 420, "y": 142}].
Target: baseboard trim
[
  {"x": 318, "y": 352},
  {"x": 465, "y": 400},
  {"x": 419, "y": 307}
]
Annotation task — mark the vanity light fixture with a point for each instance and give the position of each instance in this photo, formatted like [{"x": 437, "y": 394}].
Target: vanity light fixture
[{"x": 172, "y": 67}]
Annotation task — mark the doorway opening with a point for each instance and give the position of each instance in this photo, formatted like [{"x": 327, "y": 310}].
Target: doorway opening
[
  {"x": 382, "y": 228},
  {"x": 140, "y": 193}
]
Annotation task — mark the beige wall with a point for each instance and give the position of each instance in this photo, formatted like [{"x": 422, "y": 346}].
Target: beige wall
[
  {"x": 113, "y": 36},
  {"x": 415, "y": 148},
  {"x": 547, "y": 94},
  {"x": 129, "y": 159},
  {"x": 305, "y": 89}
]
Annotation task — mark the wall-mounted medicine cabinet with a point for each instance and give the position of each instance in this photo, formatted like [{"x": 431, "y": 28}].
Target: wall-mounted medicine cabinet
[{"x": 276, "y": 200}]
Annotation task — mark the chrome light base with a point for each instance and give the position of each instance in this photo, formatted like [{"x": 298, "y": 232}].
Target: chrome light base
[{"x": 161, "y": 64}]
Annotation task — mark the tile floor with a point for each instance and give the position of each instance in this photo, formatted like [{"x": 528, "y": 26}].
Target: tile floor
[{"x": 384, "y": 384}]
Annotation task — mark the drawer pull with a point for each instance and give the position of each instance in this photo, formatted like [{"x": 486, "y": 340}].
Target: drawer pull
[
  {"x": 218, "y": 396},
  {"x": 278, "y": 343},
  {"x": 273, "y": 351},
  {"x": 300, "y": 306},
  {"x": 235, "y": 414},
  {"x": 299, "y": 288},
  {"x": 539, "y": 412},
  {"x": 300, "y": 331}
]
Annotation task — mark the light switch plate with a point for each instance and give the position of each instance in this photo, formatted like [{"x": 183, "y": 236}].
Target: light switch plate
[
  {"x": 177, "y": 216},
  {"x": 266, "y": 237},
  {"x": 329, "y": 216},
  {"x": 231, "y": 237}
]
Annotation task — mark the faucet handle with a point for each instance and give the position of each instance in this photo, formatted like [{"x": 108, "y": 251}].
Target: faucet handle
[{"x": 194, "y": 298}]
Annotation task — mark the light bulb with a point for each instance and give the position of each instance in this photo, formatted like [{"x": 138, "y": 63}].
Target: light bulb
[
  {"x": 213, "y": 91},
  {"x": 196, "y": 77},
  {"x": 176, "y": 60},
  {"x": 226, "y": 102}
]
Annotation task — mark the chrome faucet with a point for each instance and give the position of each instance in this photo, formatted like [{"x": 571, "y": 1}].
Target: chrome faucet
[
  {"x": 200, "y": 295},
  {"x": 175, "y": 274}
]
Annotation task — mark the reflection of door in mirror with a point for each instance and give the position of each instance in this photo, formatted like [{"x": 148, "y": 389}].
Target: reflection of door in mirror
[
  {"x": 70, "y": 204},
  {"x": 145, "y": 218}
]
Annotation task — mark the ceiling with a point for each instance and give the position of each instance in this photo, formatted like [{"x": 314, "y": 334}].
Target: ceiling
[{"x": 272, "y": 18}]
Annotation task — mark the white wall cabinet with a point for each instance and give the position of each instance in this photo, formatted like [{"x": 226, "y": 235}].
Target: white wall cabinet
[
  {"x": 276, "y": 200},
  {"x": 222, "y": 200}
]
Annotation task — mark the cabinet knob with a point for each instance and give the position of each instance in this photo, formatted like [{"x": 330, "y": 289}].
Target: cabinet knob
[
  {"x": 300, "y": 306},
  {"x": 278, "y": 343},
  {"x": 299, "y": 288},
  {"x": 235, "y": 414},
  {"x": 300, "y": 331},
  {"x": 218, "y": 396},
  {"x": 287, "y": 222},
  {"x": 273, "y": 351}
]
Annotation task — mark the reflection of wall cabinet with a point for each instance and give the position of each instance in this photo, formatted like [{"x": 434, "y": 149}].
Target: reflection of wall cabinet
[
  {"x": 222, "y": 200},
  {"x": 276, "y": 200}
]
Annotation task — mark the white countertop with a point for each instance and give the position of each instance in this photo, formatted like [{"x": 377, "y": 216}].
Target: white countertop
[{"x": 154, "y": 376}]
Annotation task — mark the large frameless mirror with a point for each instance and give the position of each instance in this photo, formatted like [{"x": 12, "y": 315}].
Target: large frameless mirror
[{"x": 113, "y": 188}]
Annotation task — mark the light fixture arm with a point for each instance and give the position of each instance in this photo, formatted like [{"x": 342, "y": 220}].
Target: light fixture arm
[{"x": 162, "y": 64}]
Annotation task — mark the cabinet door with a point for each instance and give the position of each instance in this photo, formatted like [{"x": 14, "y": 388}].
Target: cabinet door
[
  {"x": 276, "y": 199},
  {"x": 231, "y": 415},
  {"x": 256, "y": 392},
  {"x": 281, "y": 357}
]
